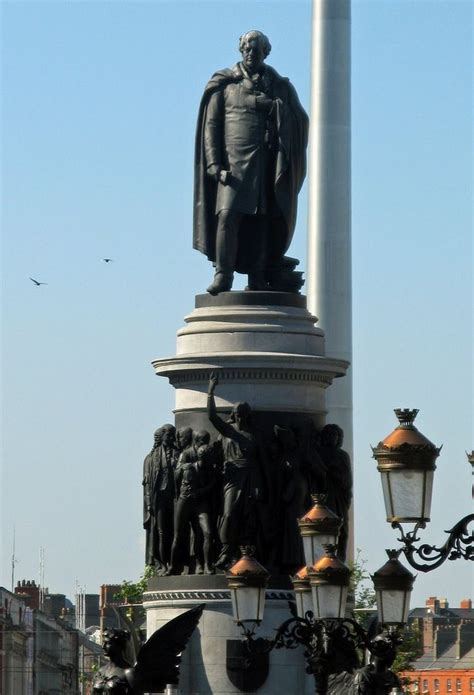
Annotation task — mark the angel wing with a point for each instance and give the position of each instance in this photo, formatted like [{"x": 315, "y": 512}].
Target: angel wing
[
  {"x": 159, "y": 658},
  {"x": 133, "y": 647}
]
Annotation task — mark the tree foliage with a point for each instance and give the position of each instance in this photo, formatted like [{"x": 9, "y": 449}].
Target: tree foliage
[
  {"x": 409, "y": 650},
  {"x": 364, "y": 594},
  {"x": 132, "y": 592}
]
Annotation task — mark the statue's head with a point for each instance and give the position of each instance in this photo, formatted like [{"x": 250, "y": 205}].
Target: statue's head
[
  {"x": 201, "y": 438},
  {"x": 241, "y": 414},
  {"x": 184, "y": 437},
  {"x": 384, "y": 652},
  {"x": 158, "y": 436},
  {"x": 205, "y": 453},
  {"x": 332, "y": 436},
  {"x": 169, "y": 435},
  {"x": 114, "y": 641},
  {"x": 254, "y": 47}
]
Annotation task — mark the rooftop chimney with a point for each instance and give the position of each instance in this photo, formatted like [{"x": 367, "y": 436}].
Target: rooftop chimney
[
  {"x": 28, "y": 592},
  {"x": 432, "y": 603}
]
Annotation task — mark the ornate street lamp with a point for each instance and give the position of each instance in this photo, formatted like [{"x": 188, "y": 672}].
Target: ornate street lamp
[
  {"x": 406, "y": 462},
  {"x": 331, "y": 640},
  {"x": 318, "y": 527}
]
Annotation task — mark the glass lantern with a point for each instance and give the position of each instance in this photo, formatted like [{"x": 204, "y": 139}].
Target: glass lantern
[
  {"x": 406, "y": 463},
  {"x": 329, "y": 579},
  {"x": 393, "y": 585},
  {"x": 318, "y": 527},
  {"x": 303, "y": 594},
  {"x": 247, "y": 581}
]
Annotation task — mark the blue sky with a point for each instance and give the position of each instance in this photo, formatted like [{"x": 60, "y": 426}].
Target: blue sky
[{"x": 99, "y": 108}]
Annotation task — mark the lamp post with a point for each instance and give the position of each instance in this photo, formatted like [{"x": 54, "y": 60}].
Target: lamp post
[
  {"x": 331, "y": 641},
  {"x": 406, "y": 463}
]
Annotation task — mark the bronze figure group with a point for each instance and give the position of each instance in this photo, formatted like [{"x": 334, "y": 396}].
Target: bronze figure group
[{"x": 205, "y": 498}]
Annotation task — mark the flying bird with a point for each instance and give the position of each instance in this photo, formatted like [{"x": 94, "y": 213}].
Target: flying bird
[
  {"x": 108, "y": 260},
  {"x": 38, "y": 283}
]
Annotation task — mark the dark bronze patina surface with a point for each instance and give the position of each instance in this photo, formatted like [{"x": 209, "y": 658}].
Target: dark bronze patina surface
[{"x": 250, "y": 163}]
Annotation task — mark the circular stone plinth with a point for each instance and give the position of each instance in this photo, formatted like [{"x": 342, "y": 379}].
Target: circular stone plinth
[
  {"x": 201, "y": 587},
  {"x": 251, "y": 299},
  {"x": 265, "y": 347}
]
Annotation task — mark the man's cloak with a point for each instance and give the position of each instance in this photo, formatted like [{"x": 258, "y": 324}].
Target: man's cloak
[{"x": 291, "y": 125}]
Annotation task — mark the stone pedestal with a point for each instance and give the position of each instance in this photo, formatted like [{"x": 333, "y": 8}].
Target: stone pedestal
[
  {"x": 267, "y": 351},
  {"x": 204, "y": 661}
]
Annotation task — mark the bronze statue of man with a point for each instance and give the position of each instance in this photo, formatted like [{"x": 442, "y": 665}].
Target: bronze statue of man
[
  {"x": 250, "y": 163},
  {"x": 338, "y": 480},
  {"x": 243, "y": 477},
  {"x": 158, "y": 497}
]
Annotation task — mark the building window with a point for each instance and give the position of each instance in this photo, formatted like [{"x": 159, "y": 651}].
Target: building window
[
  {"x": 436, "y": 685},
  {"x": 425, "y": 686},
  {"x": 471, "y": 685},
  {"x": 458, "y": 685},
  {"x": 449, "y": 686}
]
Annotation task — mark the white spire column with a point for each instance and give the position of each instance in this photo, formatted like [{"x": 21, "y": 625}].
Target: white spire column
[{"x": 329, "y": 274}]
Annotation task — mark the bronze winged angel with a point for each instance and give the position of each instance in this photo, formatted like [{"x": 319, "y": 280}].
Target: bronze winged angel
[{"x": 157, "y": 662}]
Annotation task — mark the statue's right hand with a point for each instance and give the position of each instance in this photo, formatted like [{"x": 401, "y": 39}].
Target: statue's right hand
[
  {"x": 214, "y": 171},
  {"x": 213, "y": 381}
]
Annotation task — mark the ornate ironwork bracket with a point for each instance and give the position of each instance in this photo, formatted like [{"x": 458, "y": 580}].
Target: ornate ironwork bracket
[
  {"x": 460, "y": 544},
  {"x": 330, "y": 645}
]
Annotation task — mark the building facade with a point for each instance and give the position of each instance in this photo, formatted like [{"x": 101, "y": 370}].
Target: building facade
[
  {"x": 41, "y": 651},
  {"x": 447, "y": 663},
  {"x": 16, "y": 645}
]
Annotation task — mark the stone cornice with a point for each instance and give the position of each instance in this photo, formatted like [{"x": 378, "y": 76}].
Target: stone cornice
[
  {"x": 199, "y": 375},
  {"x": 206, "y": 595},
  {"x": 252, "y": 363}
]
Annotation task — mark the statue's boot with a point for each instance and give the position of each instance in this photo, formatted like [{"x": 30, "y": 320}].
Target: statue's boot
[
  {"x": 222, "y": 282},
  {"x": 257, "y": 281}
]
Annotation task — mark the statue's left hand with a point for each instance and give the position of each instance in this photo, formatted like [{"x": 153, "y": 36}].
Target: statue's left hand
[
  {"x": 224, "y": 176},
  {"x": 277, "y": 103},
  {"x": 264, "y": 103}
]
